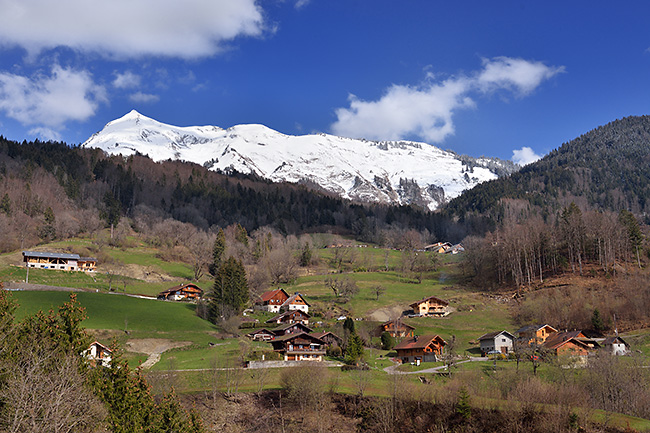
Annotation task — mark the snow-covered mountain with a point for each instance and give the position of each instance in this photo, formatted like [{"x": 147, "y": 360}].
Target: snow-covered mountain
[{"x": 398, "y": 172}]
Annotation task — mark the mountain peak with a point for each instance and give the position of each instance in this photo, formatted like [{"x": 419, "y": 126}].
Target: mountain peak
[{"x": 355, "y": 169}]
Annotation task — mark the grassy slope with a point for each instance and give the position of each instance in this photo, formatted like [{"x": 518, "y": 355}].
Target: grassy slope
[{"x": 156, "y": 319}]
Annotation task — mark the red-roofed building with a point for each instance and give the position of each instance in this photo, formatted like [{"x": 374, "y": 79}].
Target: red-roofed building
[
  {"x": 424, "y": 348},
  {"x": 272, "y": 300}
]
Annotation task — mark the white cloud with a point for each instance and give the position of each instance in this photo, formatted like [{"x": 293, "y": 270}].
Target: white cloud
[
  {"x": 518, "y": 75},
  {"x": 427, "y": 110},
  {"x": 145, "y": 98},
  {"x": 45, "y": 133},
  {"x": 126, "y": 80},
  {"x": 301, "y": 3},
  {"x": 50, "y": 101},
  {"x": 524, "y": 156},
  {"x": 126, "y": 28}
]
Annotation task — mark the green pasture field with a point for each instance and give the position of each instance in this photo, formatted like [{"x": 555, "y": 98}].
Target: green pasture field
[{"x": 115, "y": 312}]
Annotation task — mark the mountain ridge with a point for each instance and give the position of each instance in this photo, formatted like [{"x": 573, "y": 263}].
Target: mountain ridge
[
  {"x": 391, "y": 172},
  {"x": 607, "y": 168}
]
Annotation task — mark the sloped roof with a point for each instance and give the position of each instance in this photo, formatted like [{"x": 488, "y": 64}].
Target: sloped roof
[
  {"x": 289, "y": 325},
  {"x": 261, "y": 330},
  {"x": 186, "y": 286},
  {"x": 438, "y": 300},
  {"x": 97, "y": 343},
  {"x": 293, "y": 336},
  {"x": 420, "y": 342},
  {"x": 492, "y": 335},
  {"x": 401, "y": 324},
  {"x": 612, "y": 340},
  {"x": 288, "y": 313},
  {"x": 533, "y": 328},
  {"x": 50, "y": 255},
  {"x": 558, "y": 340},
  {"x": 293, "y": 297},
  {"x": 321, "y": 335},
  {"x": 271, "y": 293}
]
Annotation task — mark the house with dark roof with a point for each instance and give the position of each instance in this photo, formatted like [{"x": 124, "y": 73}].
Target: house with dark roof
[
  {"x": 272, "y": 300},
  {"x": 292, "y": 328},
  {"x": 59, "y": 261},
  {"x": 499, "y": 341},
  {"x": 535, "y": 334},
  {"x": 182, "y": 292},
  {"x": 424, "y": 348},
  {"x": 299, "y": 347},
  {"x": 292, "y": 316},
  {"x": 329, "y": 338},
  {"x": 616, "y": 346},
  {"x": 431, "y": 306}
]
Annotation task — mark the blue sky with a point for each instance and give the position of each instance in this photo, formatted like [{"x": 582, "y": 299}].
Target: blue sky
[{"x": 506, "y": 79}]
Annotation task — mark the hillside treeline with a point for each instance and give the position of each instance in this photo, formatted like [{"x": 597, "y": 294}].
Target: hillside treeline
[
  {"x": 526, "y": 248},
  {"x": 51, "y": 190},
  {"x": 607, "y": 168}
]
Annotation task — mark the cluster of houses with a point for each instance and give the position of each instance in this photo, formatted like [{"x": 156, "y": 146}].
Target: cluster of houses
[
  {"x": 547, "y": 339},
  {"x": 293, "y": 340}
]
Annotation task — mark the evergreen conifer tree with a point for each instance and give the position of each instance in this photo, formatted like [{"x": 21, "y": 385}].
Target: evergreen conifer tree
[{"x": 230, "y": 291}]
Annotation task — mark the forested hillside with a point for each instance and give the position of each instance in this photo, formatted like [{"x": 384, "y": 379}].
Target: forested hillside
[
  {"x": 607, "y": 168},
  {"x": 52, "y": 190}
]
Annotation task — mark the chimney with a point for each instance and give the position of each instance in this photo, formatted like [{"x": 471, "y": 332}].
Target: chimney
[{"x": 415, "y": 338}]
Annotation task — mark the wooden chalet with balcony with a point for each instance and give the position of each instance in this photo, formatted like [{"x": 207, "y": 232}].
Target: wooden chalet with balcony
[
  {"x": 431, "y": 306},
  {"x": 182, "y": 292},
  {"x": 424, "y": 348},
  {"x": 59, "y": 261},
  {"x": 272, "y": 300},
  {"x": 299, "y": 347}
]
